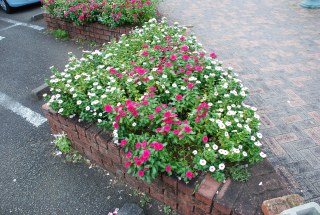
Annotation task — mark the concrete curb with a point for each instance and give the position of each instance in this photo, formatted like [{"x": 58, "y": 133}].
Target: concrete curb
[
  {"x": 37, "y": 17},
  {"x": 37, "y": 93}
]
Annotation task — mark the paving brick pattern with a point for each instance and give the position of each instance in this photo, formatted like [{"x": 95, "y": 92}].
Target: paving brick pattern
[{"x": 275, "y": 47}]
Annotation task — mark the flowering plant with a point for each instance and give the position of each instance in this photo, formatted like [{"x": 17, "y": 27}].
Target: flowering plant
[
  {"x": 173, "y": 108},
  {"x": 111, "y": 13}
]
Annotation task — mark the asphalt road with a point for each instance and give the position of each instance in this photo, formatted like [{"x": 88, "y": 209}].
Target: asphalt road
[{"x": 32, "y": 179}]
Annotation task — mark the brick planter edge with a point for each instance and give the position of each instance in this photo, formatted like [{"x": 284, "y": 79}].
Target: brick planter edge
[
  {"x": 210, "y": 198},
  {"x": 92, "y": 32}
]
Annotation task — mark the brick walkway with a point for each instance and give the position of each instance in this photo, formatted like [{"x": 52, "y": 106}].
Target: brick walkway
[{"x": 275, "y": 47}]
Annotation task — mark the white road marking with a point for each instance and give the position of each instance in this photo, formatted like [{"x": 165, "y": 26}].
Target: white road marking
[
  {"x": 11, "y": 26},
  {"x": 1, "y": 38},
  {"x": 36, "y": 27},
  {"x": 26, "y": 113}
]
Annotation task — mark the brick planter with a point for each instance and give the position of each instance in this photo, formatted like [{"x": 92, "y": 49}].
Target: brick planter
[
  {"x": 92, "y": 32},
  {"x": 210, "y": 197}
]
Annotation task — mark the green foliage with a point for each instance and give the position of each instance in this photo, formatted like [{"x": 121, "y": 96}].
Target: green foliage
[
  {"x": 168, "y": 210},
  {"x": 239, "y": 173},
  {"x": 60, "y": 34},
  {"x": 62, "y": 143}
]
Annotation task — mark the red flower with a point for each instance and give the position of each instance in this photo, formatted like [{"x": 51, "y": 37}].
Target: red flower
[
  {"x": 168, "y": 168},
  {"x": 141, "y": 173},
  {"x": 213, "y": 55},
  {"x": 189, "y": 174},
  {"x": 179, "y": 97},
  {"x": 205, "y": 139},
  {"x": 108, "y": 108}
]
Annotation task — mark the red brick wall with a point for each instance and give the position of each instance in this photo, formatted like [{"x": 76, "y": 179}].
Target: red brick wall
[
  {"x": 92, "y": 32},
  {"x": 98, "y": 146}
]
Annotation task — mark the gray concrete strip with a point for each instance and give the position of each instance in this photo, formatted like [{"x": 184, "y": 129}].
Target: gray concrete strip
[
  {"x": 37, "y": 93},
  {"x": 37, "y": 17}
]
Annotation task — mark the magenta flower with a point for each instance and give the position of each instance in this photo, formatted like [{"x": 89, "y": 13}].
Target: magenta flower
[
  {"x": 184, "y": 48},
  {"x": 187, "y": 129},
  {"x": 167, "y": 128},
  {"x": 190, "y": 85},
  {"x": 138, "y": 145},
  {"x": 176, "y": 131},
  {"x": 152, "y": 88},
  {"x": 213, "y": 55},
  {"x": 128, "y": 155},
  {"x": 189, "y": 174},
  {"x": 173, "y": 57},
  {"x": 167, "y": 114},
  {"x": 158, "y": 109},
  {"x": 151, "y": 116},
  {"x": 145, "y": 53},
  {"x": 182, "y": 38},
  {"x": 108, "y": 108},
  {"x": 123, "y": 142},
  {"x": 185, "y": 57},
  {"x": 179, "y": 97},
  {"x": 141, "y": 173},
  {"x": 168, "y": 168},
  {"x": 205, "y": 139},
  {"x": 128, "y": 164}
]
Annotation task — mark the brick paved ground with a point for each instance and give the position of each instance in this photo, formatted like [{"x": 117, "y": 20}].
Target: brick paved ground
[{"x": 275, "y": 47}]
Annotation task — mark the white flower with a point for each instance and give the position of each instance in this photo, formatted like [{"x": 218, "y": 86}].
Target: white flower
[
  {"x": 210, "y": 104},
  {"x": 87, "y": 108},
  {"x": 253, "y": 138},
  {"x": 183, "y": 88},
  {"x": 134, "y": 124},
  {"x": 207, "y": 145},
  {"x": 226, "y": 134},
  {"x": 174, "y": 85},
  {"x": 240, "y": 147},
  {"x": 74, "y": 95},
  {"x": 258, "y": 143},
  {"x": 245, "y": 154},
  {"x": 195, "y": 152},
  {"x": 203, "y": 162},
  {"x": 259, "y": 135},
  {"x": 237, "y": 151},
  {"x": 60, "y": 110},
  {"x": 215, "y": 147},
  {"x": 167, "y": 91},
  {"x": 221, "y": 166},
  {"x": 205, "y": 76},
  {"x": 222, "y": 126},
  {"x": 263, "y": 155},
  {"x": 150, "y": 77},
  {"x": 164, "y": 76},
  {"x": 211, "y": 120},
  {"x": 228, "y": 123},
  {"x": 212, "y": 169}
]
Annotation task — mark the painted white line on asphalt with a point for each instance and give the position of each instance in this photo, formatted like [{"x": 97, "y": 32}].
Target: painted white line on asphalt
[
  {"x": 36, "y": 27},
  {"x": 11, "y": 26},
  {"x": 26, "y": 113},
  {"x": 1, "y": 38}
]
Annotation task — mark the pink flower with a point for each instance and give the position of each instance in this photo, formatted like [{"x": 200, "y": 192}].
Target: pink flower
[
  {"x": 167, "y": 64},
  {"x": 151, "y": 116},
  {"x": 184, "y": 48},
  {"x": 213, "y": 55},
  {"x": 167, "y": 114},
  {"x": 145, "y": 53},
  {"x": 187, "y": 129},
  {"x": 146, "y": 154},
  {"x": 158, "y": 130},
  {"x": 108, "y": 108},
  {"x": 116, "y": 125},
  {"x": 158, "y": 109},
  {"x": 189, "y": 174},
  {"x": 179, "y": 97},
  {"x": 157, "y": 47},
  {"x": 128, "y": 155},
  {"x": 152, "y": 88},
  {"x": 185, "y": 57},
  {"x": 180, "y": 136},
  {"x": 128, "y": 164},
  {"x": 188, "y": 72},
  {"x": 158, "y": 146},
  {"x": 138, "y": 145},
  {"x": 173, "y": 57},
  {"x": 167, "y": 128},
  {"x": 182, "y": 38},
  {"x": 176, "y": 131},
  {"x": 123, "y": 142},
  {"x": 141, "y": 173},
  {"x": 205, "y": 139},
  {"x": 168, "y": 168},
  {"x": 190, "y": 85},
  {"x": 145, "y": 46}
]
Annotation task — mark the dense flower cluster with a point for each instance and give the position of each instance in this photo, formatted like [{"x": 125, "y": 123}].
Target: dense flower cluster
[
  {"x": 111, "y": 13},
  {"x": 173, "y": 108}
]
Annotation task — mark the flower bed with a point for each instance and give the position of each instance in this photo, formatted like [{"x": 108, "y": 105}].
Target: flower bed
[
  {"x": 98, "y": 146},
  {"x": 172, "y": 108}
]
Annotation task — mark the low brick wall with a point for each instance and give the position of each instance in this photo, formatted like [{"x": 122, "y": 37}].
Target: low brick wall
[
  {"x": 211, "y": 197},
  {"x": 92, "y": 32}
]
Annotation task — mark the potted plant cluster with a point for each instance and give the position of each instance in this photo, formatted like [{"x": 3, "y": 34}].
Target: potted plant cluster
[{"x": 171, "y": 105}]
